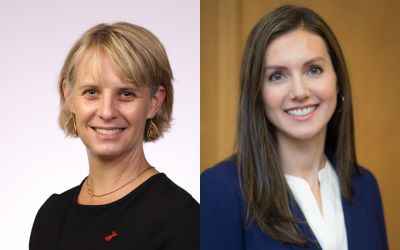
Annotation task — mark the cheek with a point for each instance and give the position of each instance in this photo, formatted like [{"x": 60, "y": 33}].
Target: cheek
[
  {"x": 136, "y": 114},
  {"x": 83, "y": 111},
  {"x": 272, "y": 99},
  {"x": 134, "y": 118},
  {"x": 328, "y": 91},
  {"x": 328, "y": 94}
]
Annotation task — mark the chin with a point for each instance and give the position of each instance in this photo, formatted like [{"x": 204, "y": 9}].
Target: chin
[
  {"x": 304, "y": 134},
  {"x": 304, "y": 137},
  {"x": 106, "y": 152}
]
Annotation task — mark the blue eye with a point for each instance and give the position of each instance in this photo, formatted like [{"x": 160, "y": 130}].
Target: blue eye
[
  {"x": 276, "y": 76},
  {"x": 315, "y": 70}
]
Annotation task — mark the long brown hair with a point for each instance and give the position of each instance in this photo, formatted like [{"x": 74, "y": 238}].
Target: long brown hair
[{"x": 260, "y": 174}]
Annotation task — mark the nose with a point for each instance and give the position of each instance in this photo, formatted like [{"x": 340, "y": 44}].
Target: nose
[
  {"x": 299, "y": 90},
  {"x": 107, "y": 109}
]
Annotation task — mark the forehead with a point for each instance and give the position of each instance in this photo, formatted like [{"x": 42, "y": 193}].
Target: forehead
[
  {"x": 97, "y": 67},
  {"x": 297, "y": 45},
  {"x": 93, "y": 62}
]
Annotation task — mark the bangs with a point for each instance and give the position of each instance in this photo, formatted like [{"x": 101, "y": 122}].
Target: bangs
[{"x": 128, "y": 65}]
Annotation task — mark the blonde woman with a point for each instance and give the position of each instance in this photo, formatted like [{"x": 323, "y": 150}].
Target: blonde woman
[{"x": 116, "y": 93}]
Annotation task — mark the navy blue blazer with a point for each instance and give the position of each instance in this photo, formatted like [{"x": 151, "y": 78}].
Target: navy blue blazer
[{"x": 223, "y": 213}]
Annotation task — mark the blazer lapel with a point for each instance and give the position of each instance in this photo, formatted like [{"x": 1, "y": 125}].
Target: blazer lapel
[
  {"x": 303, "y": 226},
  {"x": 347, "y": 219},
  {"x": 357, "y": 222}
]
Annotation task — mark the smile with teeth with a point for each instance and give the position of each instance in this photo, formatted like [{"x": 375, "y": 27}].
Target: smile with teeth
[
  {"x": 301, "y": 111},
  {"x": 108, "y": 131}
]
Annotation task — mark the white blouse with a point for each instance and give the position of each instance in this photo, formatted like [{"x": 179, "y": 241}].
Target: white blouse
[{"x": 329, "y": 228}]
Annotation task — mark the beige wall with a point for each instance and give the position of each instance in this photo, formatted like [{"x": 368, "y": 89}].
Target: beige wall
[{"x": 369, "y": 33}]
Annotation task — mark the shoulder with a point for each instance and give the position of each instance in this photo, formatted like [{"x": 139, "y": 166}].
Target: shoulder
[
  {"x": 56, "y": 203},
  {"x": 367, "y": 203},
  {"x": 172, "y": 194},
  {"x": 366, "y": 197},
  {"x": 222, "y": 176},
  {"x": 220, "y": 185},
  {"x": 222, "y": 207},
  {"x": 178, "y": 215},
  {"x": 50, "y": 217},
  {"x": 59, "y": 200},
  {"x": 220, "y": 179},
  {"x": 364, "y": 182},
  {"x": 174, "y": 202},
  {"x": 361, "y": 178}
]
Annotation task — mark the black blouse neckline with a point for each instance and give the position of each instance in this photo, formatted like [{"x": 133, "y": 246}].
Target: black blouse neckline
[{"x": 139, "y": 189}]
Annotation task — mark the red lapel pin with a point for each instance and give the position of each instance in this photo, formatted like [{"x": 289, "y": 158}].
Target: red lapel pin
[{"x": 110, "y": 236}]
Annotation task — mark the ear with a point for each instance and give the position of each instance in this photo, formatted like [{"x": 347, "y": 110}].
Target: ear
[
  {"x": 66, "y": 90},
  {"x": 156, "y": 102}
]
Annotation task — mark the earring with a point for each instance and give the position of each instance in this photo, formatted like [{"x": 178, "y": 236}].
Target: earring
[
  {"x": 341, "y": 106},
  {"x": 74, "y": 123},
  {"x": 152, "y": 131}
]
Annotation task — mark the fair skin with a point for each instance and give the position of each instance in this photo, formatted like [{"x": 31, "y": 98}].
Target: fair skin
[
  {"x": 110, "y": 119},
  {"x": 300, "y": 96}
]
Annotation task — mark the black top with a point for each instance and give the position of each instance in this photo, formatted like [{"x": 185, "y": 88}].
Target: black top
[{"x": 156, "y": 215}]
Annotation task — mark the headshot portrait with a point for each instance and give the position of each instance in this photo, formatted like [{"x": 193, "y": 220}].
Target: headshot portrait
[
  {"x": 286, "y": 160},
  {"x": 103, "y": 137}
]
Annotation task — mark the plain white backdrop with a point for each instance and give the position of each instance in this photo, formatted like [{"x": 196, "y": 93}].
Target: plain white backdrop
[{"x": 36, "y": 159}]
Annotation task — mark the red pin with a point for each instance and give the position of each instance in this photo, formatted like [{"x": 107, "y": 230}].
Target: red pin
[{"x": 109, "y": 237}]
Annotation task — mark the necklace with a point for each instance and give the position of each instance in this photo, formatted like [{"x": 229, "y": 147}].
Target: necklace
[{"x": 92, "y": 194}]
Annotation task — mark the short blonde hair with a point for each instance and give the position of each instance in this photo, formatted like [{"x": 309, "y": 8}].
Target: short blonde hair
[{"x": 138, "y": 57}]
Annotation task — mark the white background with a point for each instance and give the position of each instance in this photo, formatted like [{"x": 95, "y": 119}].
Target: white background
[{"x": 36, "y": 159}]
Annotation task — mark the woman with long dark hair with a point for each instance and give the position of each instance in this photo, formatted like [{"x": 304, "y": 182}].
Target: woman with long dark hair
[{"x": 294, "y": 181}]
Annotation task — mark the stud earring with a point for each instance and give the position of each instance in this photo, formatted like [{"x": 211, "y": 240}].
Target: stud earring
[{"x": 341, "y": 106}]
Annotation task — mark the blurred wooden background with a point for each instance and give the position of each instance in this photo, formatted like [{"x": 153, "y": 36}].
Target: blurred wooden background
[{"x": 369, "y": 34}]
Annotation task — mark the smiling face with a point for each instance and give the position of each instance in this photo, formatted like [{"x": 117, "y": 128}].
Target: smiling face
[
  {"x": 110, "y": 114},
  {"x": 299, "y": 90}
]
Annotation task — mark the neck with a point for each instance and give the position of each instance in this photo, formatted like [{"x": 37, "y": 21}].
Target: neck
[
  {"x": 106, "y": 173},
  {"x": 302, "y": 158}
]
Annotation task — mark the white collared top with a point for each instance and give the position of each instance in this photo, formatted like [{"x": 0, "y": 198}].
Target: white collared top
[{"x": 329, "y": 227}]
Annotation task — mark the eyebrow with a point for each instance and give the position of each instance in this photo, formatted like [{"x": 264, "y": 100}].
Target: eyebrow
[
  {"x": 308, "y": 62},
  {"x": 124, "y": 85}
]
